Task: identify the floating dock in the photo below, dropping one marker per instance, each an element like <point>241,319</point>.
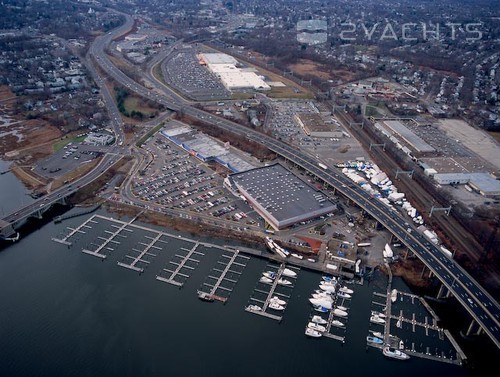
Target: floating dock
<point>141,254</point>
<point>228,262</point>
<point>182,264</point>
<point>272,292</point>
<point>407,325</point>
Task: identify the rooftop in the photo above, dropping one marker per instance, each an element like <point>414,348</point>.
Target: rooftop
<point>281,194</point>
<point>415,141</point>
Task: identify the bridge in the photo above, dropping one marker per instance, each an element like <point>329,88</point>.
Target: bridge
<point>10,223</point>
<point>483,308</point>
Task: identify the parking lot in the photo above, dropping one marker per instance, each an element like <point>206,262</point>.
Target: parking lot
<point>180,181</point>
<point>67,160</point>
<point>183,71</point>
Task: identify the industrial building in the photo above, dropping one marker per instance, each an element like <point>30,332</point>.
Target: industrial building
<point>234,78</point>
<point>314,125</point>
<point>204,147</point>
<point>279,196</point>
<point>483,183</point>
<point>413,141</point>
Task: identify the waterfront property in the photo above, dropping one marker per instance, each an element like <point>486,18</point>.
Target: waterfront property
<point>279,196</point>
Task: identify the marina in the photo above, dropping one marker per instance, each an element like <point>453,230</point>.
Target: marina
<point>268,302</point>
<point>408,328</point>
<point>230,263</point>
<point>140,258</point>
<point>182,266</point>
<point>403,320</point>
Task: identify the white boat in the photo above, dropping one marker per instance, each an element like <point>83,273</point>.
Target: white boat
<point>276,306</point>
<point>321,309</point>
<point>343,295</point>
<point>269,274</point>
<point>331,283</point>
<point>319,320</point>
<point>394,295</point>
<point>275,248</point>
<point>321,292</point>
<point>316,327</point>
<point>395,353</point>
<point>378,334</point>
<point>337,323</point>
<point>342,307</point>
<point>346,290</point>
<point>327,288</point>
<point>387,252</point>
<point>289,273</point>
<point>376,319</point>
<point>254,308</point>
<point>312,333</point>
<point>284,282</point>
<point>321,302</point>
<point>339,313</point>
<point>399,323</point>
<point>297,256</point>
<point>277,300</point>
<point>263,279</point>
<point>322,295</point>
<point>381,315</point>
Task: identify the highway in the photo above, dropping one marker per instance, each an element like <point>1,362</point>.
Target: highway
<point>479,303</point>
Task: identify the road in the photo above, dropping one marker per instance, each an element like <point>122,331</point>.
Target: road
<point>477,301</point>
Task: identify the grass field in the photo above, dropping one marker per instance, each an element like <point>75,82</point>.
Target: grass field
<point>58,145</point>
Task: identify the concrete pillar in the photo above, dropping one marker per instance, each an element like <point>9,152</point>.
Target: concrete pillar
<point>471,327</point>
<point>441,291</point>
<point>422,273</point>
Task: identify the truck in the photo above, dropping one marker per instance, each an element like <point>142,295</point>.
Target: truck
<point>322,166</point>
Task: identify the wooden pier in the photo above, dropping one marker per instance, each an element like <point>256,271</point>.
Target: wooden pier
<point>180,265</point>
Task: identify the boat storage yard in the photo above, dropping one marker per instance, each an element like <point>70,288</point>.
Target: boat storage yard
<point>399,324</point>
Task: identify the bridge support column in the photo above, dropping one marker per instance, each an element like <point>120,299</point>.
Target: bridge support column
<point>471,327</point>
<point>443,291</point>
<point>422,273</point>
<point>38,215</point>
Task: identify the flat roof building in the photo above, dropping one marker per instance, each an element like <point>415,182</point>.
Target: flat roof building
<point>279,196</point>
<point>314,125</point>
<point>408,136</point>
<point>225,67</point>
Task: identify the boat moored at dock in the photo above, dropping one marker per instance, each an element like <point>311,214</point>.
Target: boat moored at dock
<point>395,353</point>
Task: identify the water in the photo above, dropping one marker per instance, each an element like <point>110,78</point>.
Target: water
<point>67,313</point>
<point>13,194</point>
<point>64,313</point>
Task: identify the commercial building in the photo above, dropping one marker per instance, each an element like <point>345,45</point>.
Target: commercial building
<point>314,125</point>
<point>204,147</point>
<point>234,78</point>
<point>99,139</point>
<point>279,196</point>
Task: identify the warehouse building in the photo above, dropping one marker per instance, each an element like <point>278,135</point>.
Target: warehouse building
<point>234,78</point>
<point>482,183</point>
<point>314,125</point>
<point>414,141</point>
<point>279,196</point>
